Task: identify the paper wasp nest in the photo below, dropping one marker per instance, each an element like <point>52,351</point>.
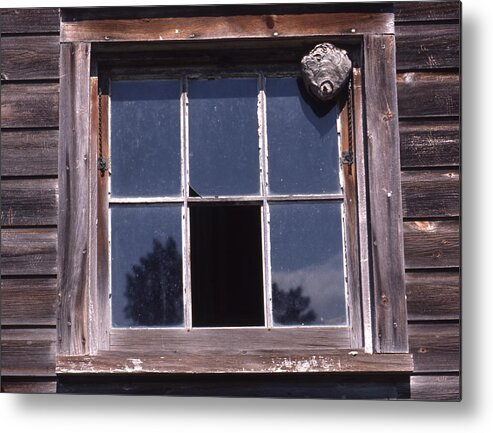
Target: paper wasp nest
<point>325,71</point>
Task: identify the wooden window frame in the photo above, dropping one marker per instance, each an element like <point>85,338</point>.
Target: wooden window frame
<point>83,316</point>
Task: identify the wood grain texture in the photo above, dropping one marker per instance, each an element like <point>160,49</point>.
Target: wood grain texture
<point>425,94</point>
<point>433,295</point>
<point>29,105</point>
<point>28,385</point>
<point>427,11</point>
<point>385,194</point>
<point>351,224</point>
<point>73,178</point>
<point>227,27</point>
<point>435,347</point>
<point>428,46</point>
<point>29,202</point>
<point>30,57</point>
<point>430,143</point>
<point>29,251</point>
<point>39,20</point>
<point>29,153</point>
<point>29,301</point>
<point>204,363</point>
<point>28,352</point>
<point>306,385</point>
<point>436,388</point>
<point>430,193</point>
<point>431,244</point>
<point>229,341</point>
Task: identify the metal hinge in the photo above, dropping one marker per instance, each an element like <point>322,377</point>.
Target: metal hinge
<point>102,165</point>
<point>347,158</point>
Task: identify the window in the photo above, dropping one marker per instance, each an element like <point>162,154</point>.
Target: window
<point>241,225</point>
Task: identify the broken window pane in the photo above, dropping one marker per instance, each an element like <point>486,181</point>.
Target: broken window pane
<point>307,264</point>
<point>226,260</point>
<point>224,157</point>
<point>302,140</point>
<point>146,266</point>
<point>145,138</point>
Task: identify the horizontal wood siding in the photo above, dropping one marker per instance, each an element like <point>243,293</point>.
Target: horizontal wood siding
<point>29,202</point>
<point>433,295</point>
<point>28,105</point>
<point>427,143</point>
<point>428,83</point>
<point>29,152</point>
<point>29,196</point>
<point>431,12</point>
<point>28,352</point>
<point>42,20</point>
<point>435,388</point>
<point>29,385</point>
<point>29,251</point>
<point>431,244</point>
<point>430,193</point>
<point>28,301</point>
<point>428,94</point>
<point>422,46</point>
<point>30,57</point>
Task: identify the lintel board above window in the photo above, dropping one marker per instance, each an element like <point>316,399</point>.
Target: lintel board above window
<point>84,314</point>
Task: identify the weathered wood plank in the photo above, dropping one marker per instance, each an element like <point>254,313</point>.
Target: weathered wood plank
<point>229,341</point>
<point>73,175</point>
<point>428,143</point>
<point>425,94</point>
<point>29,251</point>
<point>29,105</point>
<point>433,295</point>
<point>428,46</point>
<point>431,244</point>
<point>427,11</point>
<point>204,363</point>
<point>385,194</point>
<point>430,193</point>
<point>227,27</point>
<point>338,386</point>
<point>30,57</point>
<point>435,347</point>
<point>20,385</point>
<point>29,202</point>
<point>29,153</point>
<point>436,388</point>
<point>28,352</point>
<point>39,20</point>
<point>29,301</point>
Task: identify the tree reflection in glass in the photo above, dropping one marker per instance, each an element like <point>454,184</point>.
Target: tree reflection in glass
<point>154,288</point>
<point>146,266</point>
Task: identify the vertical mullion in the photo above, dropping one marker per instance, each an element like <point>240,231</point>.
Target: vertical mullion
<point>187,294</point>
<point>264,179</point>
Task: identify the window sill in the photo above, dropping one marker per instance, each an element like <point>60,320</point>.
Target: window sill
<point>211,363</point>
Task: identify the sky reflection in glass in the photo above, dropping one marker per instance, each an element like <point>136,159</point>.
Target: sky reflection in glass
<point>307,264</point>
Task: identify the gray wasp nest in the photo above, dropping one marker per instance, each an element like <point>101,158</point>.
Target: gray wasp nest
<point>325,71</point>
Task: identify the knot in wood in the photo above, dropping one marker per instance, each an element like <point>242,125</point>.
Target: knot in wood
<point>325,70</point>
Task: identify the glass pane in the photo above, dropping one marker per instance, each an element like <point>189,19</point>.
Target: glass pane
<point>307,264</point>
<point>224,158</point>
<point>146,266</point>
<point>145,138</point>
<point>302,140</point>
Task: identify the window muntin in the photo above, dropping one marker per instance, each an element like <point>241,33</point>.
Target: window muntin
<point>319,193</point>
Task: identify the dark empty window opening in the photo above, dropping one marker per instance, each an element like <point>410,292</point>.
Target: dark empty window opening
<point>226,265</point>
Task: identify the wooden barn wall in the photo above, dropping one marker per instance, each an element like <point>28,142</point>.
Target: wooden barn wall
<point>427,37</point>
<point>29,197</point>
<point>428,61</point>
